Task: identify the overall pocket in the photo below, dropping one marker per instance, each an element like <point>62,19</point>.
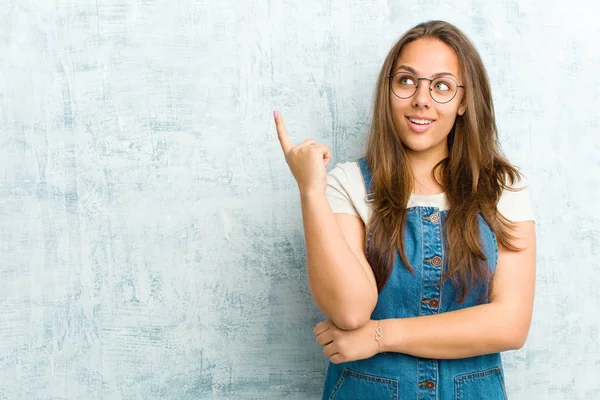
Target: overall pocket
<point>354,385</point>
<point>487,384</point>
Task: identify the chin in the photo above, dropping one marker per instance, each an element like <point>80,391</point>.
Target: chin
<point>425,148</point>
<point>418,145</point>
<point>419,149</point>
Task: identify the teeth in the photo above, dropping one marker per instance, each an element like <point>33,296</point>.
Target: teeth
<point>420,121</point>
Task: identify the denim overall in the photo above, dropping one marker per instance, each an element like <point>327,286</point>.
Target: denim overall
<point>405,295</point>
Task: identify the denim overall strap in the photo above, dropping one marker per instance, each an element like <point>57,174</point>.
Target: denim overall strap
<point>366,173</point>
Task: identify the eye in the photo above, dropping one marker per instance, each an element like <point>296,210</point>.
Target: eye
<point>442,86</point>
<point>406,80</point>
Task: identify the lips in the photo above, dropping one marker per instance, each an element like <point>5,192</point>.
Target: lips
<point>420,121</point>
<point>419,124</point>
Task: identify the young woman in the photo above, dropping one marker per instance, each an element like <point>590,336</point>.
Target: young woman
<point>422,253</point>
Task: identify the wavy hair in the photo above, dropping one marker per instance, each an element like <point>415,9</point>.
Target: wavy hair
<point>473,175</point>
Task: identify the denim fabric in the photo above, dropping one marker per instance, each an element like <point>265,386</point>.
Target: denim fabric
<point>405,295</point>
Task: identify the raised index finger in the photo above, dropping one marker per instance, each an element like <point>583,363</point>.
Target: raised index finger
<point>284,139</point>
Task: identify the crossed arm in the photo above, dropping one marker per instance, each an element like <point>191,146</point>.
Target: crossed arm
<point>500,325</point>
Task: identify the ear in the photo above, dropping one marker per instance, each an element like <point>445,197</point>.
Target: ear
<point>462,108</point>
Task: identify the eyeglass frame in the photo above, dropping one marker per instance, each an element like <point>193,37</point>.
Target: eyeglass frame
<point>430,88</point>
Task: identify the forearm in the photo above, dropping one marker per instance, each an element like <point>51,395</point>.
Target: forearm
<point>337,280</point>
<point>472,331</point>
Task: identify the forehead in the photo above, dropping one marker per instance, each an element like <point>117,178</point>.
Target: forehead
<point>428,57</point>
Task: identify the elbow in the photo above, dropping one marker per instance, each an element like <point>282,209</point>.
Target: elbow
<point>350,323</point>
<point>519,342</point>
<point>355,314</point>
<point>517,338</point>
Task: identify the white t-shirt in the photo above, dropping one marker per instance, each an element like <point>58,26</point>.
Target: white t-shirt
<point>346,194</point>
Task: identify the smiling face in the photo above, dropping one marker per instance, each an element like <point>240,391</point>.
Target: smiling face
<point>422,123</point>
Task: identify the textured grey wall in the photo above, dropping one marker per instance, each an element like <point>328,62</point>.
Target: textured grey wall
<point>151,243</point>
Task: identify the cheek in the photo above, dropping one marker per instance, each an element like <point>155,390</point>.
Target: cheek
<point>398,103</point>
<point>449,113</point>
<point>394,110</point>
<point>398,107</point>
<point>397,117</point>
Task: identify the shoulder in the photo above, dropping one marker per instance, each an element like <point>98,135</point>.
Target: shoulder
<point>515,202</point>
<point>347,172</point>
<point>346,190</point>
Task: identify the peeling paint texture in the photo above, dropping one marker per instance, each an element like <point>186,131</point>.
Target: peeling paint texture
<point>151,242</point>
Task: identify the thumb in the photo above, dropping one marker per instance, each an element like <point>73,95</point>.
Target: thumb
<point>327,155</point>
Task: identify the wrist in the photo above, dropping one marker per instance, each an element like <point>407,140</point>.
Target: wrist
<point>395,338</point>
<point>386,337</point>
<point>309,194</point>
<point>379,336</point>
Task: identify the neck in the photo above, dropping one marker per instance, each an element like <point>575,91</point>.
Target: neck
<point>422,164</point>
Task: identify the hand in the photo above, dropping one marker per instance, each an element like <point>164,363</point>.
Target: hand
<point>307,161</point>
<point>344,346</point>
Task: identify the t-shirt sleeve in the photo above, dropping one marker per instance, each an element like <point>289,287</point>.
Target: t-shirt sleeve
<point>516,205</point>
<point>338,193</point>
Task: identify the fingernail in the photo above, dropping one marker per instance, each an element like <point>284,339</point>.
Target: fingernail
<point>275,114</point>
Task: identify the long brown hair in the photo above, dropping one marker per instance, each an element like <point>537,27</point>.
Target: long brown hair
<point>473,175</point>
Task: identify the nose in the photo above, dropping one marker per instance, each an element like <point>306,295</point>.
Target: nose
<point>422,98</point>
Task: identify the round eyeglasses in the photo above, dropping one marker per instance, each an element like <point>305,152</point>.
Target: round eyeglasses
<point>442,89</point>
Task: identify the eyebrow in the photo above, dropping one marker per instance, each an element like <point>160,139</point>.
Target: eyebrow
<point>413,71</point>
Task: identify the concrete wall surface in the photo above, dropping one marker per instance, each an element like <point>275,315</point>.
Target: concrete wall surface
<point>151,241</point>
